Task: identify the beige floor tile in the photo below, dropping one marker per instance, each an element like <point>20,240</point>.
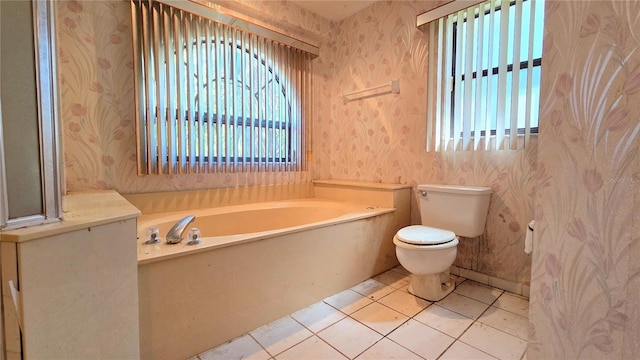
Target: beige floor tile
<point>318,316</point>
<point>404,302</point>
<point>387,349</point>
<point>462,351</point>
<point>348,301</point>
<point>280,335</point>
<point>380,318</point>
<point>513,303</point>
<point>401,270</point>
<point>463,305</point>
<point>349,337</point>
<point>479,292</point>
<point>312,348</point>
<point>421,339</point>
<point>394,279</point>
<point>494,342</point>
<point>373,289</point>
<point>500,331</point>
<point>243,347</point>
<point>506,321</point>
<point>444,320</point>
<point>405,288</point>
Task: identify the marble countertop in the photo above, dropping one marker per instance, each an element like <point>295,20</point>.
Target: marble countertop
<point>81,210</point>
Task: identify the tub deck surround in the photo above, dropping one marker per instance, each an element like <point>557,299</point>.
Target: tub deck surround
<point>200,296</point>
<point>378,194</point>
<point>162,202</point>
<point>234,225</point>
<point>83,267</point>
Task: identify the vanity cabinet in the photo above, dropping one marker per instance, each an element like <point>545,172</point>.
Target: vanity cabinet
<point>77,282</point>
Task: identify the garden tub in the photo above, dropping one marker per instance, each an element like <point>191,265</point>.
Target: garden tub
<point>256,263</point>
<point>234,225</point>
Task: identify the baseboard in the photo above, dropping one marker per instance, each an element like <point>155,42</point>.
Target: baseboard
<point>516,288</point>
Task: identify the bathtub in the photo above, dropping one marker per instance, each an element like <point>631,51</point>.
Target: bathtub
<point>234,225</point>
<point>257,263</point>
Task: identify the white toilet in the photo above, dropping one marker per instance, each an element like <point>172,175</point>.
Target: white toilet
<point>427,251</point>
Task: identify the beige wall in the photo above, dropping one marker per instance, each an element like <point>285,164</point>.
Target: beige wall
<point>585,289</point>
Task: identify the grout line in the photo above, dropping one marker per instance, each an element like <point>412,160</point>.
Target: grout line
<point>316,333</point>
<point>435,303</point>
<point>510,312</point>
<point>456,339</point>
<point>448,347</point>
<point>372,345</point>
<point>482,351</point>
<point>495,328</point>
<point>258,342</point>
<point>469,327</point>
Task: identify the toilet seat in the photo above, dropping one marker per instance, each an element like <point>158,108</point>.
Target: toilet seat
<point>421,235</point>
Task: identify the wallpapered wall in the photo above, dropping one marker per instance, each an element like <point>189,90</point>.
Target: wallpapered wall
<point>377,139</point>
<point>582,180</point>
<point>383,138</point>
<point>585,281</point>
<point>98,104</point>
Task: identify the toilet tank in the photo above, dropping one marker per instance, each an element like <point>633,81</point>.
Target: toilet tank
<point>461,209</point>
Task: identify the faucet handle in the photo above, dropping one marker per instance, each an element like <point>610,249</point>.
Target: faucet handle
<point>194,236</point>
<point>153,235</point>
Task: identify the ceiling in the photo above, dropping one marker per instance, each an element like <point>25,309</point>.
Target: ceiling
<point>334,10</point>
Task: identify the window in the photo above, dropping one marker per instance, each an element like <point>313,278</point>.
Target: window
<point>485,64</point>
<point>214,98</point>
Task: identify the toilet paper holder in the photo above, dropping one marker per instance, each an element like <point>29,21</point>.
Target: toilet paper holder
<point>528,240</point>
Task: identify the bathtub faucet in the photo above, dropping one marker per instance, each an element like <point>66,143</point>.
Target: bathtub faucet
<point>174,235</point>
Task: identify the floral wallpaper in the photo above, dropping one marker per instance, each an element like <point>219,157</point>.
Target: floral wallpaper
<point>95,65</point>
<point>380,139</point>
<point>580,176</point>
<point>585,278</point>
<point>383,138</point>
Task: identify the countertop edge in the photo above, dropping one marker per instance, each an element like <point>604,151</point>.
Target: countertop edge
<point>81,210</point>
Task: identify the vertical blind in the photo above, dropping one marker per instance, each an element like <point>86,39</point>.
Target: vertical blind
<point>484,65</point>
<point>214,98</point>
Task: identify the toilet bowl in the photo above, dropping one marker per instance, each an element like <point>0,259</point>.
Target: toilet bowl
<point>427,251</point>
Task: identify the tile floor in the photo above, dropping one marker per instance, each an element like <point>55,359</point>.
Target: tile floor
<point>379,319</point>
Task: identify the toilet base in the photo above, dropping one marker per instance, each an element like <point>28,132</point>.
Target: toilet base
<point>432,287</point>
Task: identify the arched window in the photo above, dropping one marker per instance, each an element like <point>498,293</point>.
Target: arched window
<point>214,98</point>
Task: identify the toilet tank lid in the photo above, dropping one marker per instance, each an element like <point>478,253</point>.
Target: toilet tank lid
<point>456,189</point>
<point>424,235</point>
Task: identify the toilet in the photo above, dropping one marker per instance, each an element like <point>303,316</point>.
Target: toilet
<point>427,251</point>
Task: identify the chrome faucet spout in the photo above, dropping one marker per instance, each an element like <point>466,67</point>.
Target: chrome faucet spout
<point>174,235</point>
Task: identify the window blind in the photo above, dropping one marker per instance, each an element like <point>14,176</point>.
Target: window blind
<point>484,67</point>
<point>214,98</point>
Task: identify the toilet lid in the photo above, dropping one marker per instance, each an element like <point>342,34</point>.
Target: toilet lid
<point>424,235</point>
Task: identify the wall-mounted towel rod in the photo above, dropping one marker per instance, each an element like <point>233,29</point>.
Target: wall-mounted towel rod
<point>393,87</point>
